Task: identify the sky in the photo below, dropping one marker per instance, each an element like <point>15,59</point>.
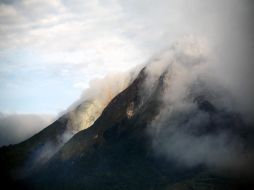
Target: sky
<point>51,49</point>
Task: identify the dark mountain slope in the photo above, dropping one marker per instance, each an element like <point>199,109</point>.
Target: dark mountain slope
<point>116,152</point>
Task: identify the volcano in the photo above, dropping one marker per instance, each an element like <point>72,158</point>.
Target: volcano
<point>119,147</point>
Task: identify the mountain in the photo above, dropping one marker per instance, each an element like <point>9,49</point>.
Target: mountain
<point>119,149</point>
<point>20,160</point>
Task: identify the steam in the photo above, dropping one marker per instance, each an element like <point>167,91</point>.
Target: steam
<point>198,123</point>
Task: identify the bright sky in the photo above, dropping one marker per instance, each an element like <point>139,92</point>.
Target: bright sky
<point>51,49</point>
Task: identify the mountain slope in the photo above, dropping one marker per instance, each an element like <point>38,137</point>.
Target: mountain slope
<point>21,159</point>
<point>116,151</point>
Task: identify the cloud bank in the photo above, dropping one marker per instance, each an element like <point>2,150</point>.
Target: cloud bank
<point>15,128</point>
